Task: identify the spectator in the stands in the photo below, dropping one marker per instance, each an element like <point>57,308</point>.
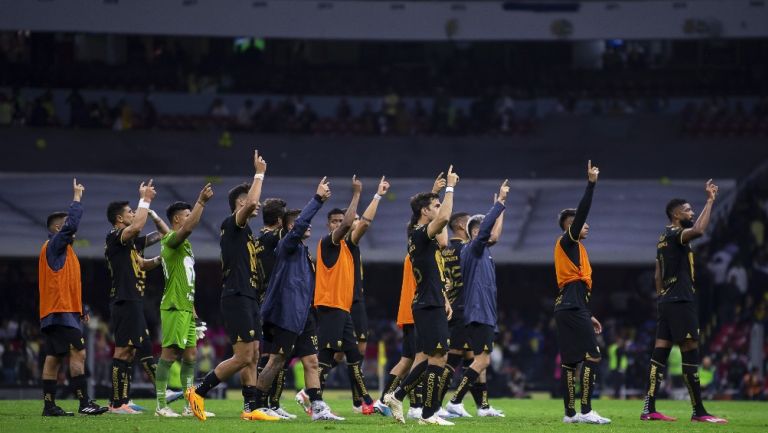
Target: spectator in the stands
<point>219,108</point>
<point>343,110</point>
<point>149,112</point>
<point>752,385</point>
<point>78,110</point>
<point>707,377</point>
<point>246,114</point>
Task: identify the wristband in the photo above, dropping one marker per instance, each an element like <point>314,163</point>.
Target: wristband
<point>448,189</point>
<point>259,176</point>
<point>143,204</point>
<point>376,196</point>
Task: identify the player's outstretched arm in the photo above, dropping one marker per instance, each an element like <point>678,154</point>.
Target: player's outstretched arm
<point>162,229</point>
<point>700,226</point>
<point>194,217</point>
<point>291,240</point>
<point>446,208</point>
<point>66,235</point>
<point>370,212</point>
<point>586,202</point>
<point>148,265</point>
<point>254,194</point>
<point>146,194</point>
<point>498,226</point>
<point>349,215</point>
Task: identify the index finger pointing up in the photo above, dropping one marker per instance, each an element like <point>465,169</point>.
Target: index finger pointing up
<point>450,169</point>
<point>589,165</point>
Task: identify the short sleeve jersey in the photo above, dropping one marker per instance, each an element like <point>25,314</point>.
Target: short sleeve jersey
<point>124,265</point>
<point>428,269</point>
<point>238,260</point>
<point>179,272</point>
<point>452,258</point>
<point>266,244</point>
<point>676,263</point>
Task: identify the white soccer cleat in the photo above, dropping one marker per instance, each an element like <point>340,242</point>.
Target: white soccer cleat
<point>571,419</point>
<point>282,413</point>
<point>456,410</point>
<point>188,412</point>
<point>302,399</point>
<point>434,420</point>
<point>395,405</point>
<point>490,412</point>
<point>592,418</point>
<point>382,408</point>
<point>322,412</point>
<point>414,413</point>
<point>171,395</point>
<point>167,412</point>
<point>357,409</point>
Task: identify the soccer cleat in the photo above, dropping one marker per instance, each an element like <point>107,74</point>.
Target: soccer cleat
<point>56,411</point>
<point>571,419</point>
<point>592,418</point>
<point>282,413</point>
<point>92,408</point>
<point>382,408</point>
<point>171,395</point>
<point>395,405</point>
<point>414,413</point>
<point>322,412</point>
<point>457,410</point>
<point>123,410</point>
<point>367,409</point>
<point>434,420</point>
<point>167,412</point>
<point>444,414</point>
<point>196,403</point>
<point>655,416</point>
<point>709,418</point>
<point>188,412</point>
<point>490,412</point>
<point>357,409</point>
<point>302,399</point>
<point>135,406</point>
<point>258,415</point>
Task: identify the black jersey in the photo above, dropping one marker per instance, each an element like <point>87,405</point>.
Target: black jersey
<point>266,245</point>
<point>428,269</point>
<point>238,260</point>
<point>452,259</point>
<point>124,265</point>
<point>676,263</point>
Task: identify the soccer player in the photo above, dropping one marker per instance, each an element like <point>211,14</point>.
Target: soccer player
<point>239,301</point>
<point>678,321</point>
<point>431,308</point>
<point>289,323</point>
<point>177,306</point>
<point>576,326</point>
<point>478,297</point>
<point>127,269</point>
<point>61,309</point>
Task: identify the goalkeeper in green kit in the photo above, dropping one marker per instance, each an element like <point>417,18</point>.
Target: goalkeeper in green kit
<point>177,308</point>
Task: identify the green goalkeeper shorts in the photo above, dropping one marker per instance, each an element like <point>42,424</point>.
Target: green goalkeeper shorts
<point>178,328</point>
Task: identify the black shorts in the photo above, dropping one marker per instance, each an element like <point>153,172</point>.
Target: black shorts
<point>289,344</point>
<point>360,320</point>
<point>60,340</point>
<point>432,330</point>
<point>242,318</point>
<point>128,324</point>
<point>677,321</point>
<point>335,330</point>
<point>480,337</point>
<point>459,333</point>
<point>576,336</point>
<point>410,346</point>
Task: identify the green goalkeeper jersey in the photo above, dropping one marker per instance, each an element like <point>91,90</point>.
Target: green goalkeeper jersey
<point>179,271</point>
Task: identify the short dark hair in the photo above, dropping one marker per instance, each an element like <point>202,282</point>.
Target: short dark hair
<point>288,215</point>
<point>178,206</point>
<point>564,215</point>
<point>273,210</point>
<point>114,209</point>
<point>236,192</point>
<point>419,202</point>
<point>454,222</point>
<point>53,217</point>
<point>674,204</point>
<point>335,211</point>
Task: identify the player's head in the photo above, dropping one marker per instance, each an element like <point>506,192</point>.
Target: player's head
<point>565,219</point>
<point>55,221</point>
<point>272,212</point>
<point>424,206</point>
<point>290,218</point>
<point>335,217</point>
<point>238,196</point>
<point>680,211</point>
<point>458,223</point>
<point>473,225</point>
<point>178,212</point>
<point>119,213</point>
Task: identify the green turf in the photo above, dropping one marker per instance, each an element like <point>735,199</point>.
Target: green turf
<point>522,416</point>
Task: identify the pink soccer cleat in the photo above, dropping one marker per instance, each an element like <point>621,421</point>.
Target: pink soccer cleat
<point>656,416</point>
<point>709,418</point>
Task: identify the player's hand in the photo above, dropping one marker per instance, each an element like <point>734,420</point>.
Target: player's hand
<point>439,183</point>
<point>448,310</point>
<point>324,189</point>
<point>85,318</point>
<point>503,191</point>
<point>383,186</point>
<point>200,328</point>
<point>147,192</point>
<point>357,186</point>
<point>592,172</point>
<point>596,324</point>
<point>259,163</point>
<point>205,194</point>
<point>711,189</point>
<point>453,178</point>
<point>78,189</point>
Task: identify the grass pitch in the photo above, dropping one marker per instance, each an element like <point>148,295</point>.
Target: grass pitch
<point>522,416</point>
